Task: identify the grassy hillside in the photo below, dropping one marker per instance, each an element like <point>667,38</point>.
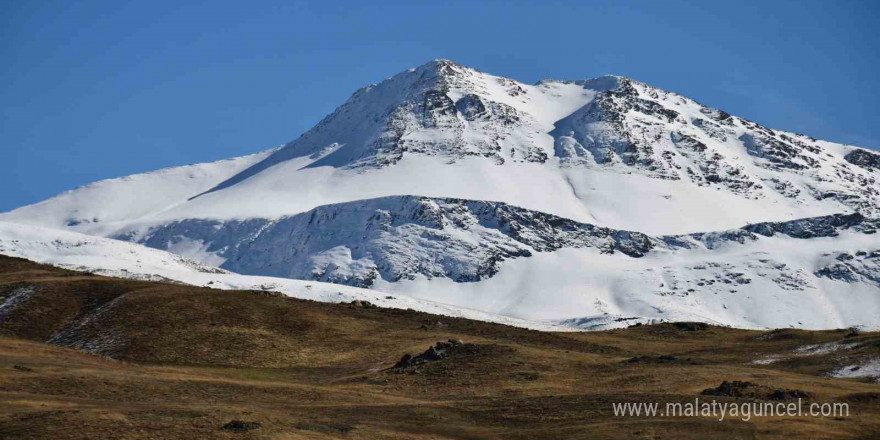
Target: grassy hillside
<point>132,359</point>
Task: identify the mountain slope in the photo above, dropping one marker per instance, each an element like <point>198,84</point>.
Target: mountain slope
<point>104,256</point>
<point>107,204</point>
<point>821,272</point>
<point>446,183</point>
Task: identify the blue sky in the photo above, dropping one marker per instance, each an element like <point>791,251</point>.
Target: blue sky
<point>94,89</point>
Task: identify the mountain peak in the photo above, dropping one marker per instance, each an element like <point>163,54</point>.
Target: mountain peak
<point>438,64</point>
<point>611,122</point>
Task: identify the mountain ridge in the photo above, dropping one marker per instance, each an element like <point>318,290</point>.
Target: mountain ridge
<point>617,133</point>
<point>532,231</point>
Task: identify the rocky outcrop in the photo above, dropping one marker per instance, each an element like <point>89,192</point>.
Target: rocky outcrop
<point>436,352</point>
<point>827,226</point>
<point>852,267</point>
<point>241,426</point>
<point>752,390</point>
<point>864,158</point>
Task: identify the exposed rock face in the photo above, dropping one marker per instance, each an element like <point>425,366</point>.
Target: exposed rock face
<point>859,266</point>
<point>827,226</point>
<point>598,129</point>
<point>864,158</point>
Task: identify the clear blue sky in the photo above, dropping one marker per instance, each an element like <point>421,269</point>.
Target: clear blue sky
<point>92,90</point>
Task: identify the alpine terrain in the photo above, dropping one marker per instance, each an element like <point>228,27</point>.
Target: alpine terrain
<point>579,204</point>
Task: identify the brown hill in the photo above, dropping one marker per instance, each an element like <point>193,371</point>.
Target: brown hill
<point>161,360</point>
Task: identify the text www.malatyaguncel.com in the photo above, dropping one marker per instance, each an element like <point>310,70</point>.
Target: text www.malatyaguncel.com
<point>731,410</point>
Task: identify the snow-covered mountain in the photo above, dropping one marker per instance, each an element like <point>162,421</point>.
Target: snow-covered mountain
<point>103,256</point>
<point>450,184</point>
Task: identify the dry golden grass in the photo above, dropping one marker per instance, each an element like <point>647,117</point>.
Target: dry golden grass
<point>180,362</point>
